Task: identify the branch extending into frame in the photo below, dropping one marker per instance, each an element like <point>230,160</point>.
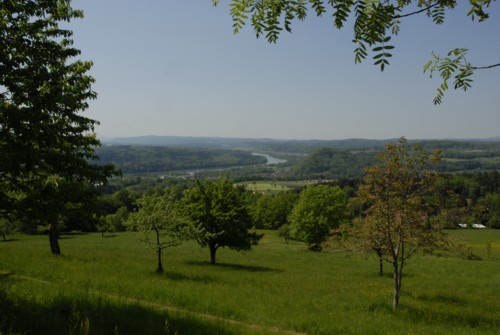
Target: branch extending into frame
<point>416,12</point>
<point>485,67</point>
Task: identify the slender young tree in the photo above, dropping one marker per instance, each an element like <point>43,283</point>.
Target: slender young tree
<point>46,145</point>
<point>397,221</point>
<point>160,223</point>
<point>7,227</point>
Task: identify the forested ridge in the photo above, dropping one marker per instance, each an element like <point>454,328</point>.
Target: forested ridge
<point>331,163</point>
<point>144,159</point>
<point>306,159</point>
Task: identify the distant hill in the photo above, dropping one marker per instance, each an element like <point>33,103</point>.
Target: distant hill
<point>457,156</point>
<point>147,159</point>
<point>306,159</point>
<point>330,163</point>
<point>266,144</point>
<point>262,144</point>
<point>180,141</point>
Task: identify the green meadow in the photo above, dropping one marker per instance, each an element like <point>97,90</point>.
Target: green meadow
<point>108,286</point>
<point>275,186</point>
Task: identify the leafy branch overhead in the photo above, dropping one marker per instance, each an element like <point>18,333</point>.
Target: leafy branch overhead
<point>375,23</point>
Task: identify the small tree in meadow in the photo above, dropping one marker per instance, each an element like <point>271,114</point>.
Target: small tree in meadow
<point>160,223</point>
<point>397,220</point>
<point>368,239</point>
<point>103,226</point>
<point>320,209</point>
<point>220,215</point>
<point>284,231</point>
<point>7,227</point>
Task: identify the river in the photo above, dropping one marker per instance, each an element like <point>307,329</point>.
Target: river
<point>270,159</point>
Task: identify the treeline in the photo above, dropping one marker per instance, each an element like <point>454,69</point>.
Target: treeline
<point>146,159</point>
<point>472,198</point>
<point>329,163</point>
<point>332,163</point>
<point>476,200</point>
<point>341,159</point>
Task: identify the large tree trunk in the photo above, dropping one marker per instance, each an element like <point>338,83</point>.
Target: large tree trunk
<point>53,239</point>
<point>213,250</point>
<point>3,235</point>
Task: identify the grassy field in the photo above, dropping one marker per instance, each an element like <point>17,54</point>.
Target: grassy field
<point>108,286</point>
<point>277,186</point>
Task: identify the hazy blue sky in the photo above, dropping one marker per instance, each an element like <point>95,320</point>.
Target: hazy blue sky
<point>174,67</point>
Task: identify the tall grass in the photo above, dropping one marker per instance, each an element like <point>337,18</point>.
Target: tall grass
<point>108,285</point>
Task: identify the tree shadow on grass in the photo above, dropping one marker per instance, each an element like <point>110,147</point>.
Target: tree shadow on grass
<point>71,235</point>
<point>443,298</point>
<point>238,267</point>
<point>8,240</point>
<point>386,275</point>
<point>176,276</point>
<point>84,315</point>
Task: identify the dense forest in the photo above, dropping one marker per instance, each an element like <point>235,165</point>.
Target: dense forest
<point>145,159</point>
<point>331,163</point>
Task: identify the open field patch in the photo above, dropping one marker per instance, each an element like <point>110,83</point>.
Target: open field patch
<point>276,186</point>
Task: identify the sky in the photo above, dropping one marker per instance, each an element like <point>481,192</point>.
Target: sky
<point>175,68</point>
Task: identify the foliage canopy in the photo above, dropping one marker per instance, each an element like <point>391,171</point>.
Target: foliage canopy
<point>46,145</point>
<point>395,192</point>
<point>320,209</point>
<point>159,215</point>
<point>220,216</point>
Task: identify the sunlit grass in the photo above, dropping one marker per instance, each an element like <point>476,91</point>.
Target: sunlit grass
<point>276,186</point>
<point>276,288</point>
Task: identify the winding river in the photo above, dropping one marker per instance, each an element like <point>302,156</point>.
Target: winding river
<point>270,159</point>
